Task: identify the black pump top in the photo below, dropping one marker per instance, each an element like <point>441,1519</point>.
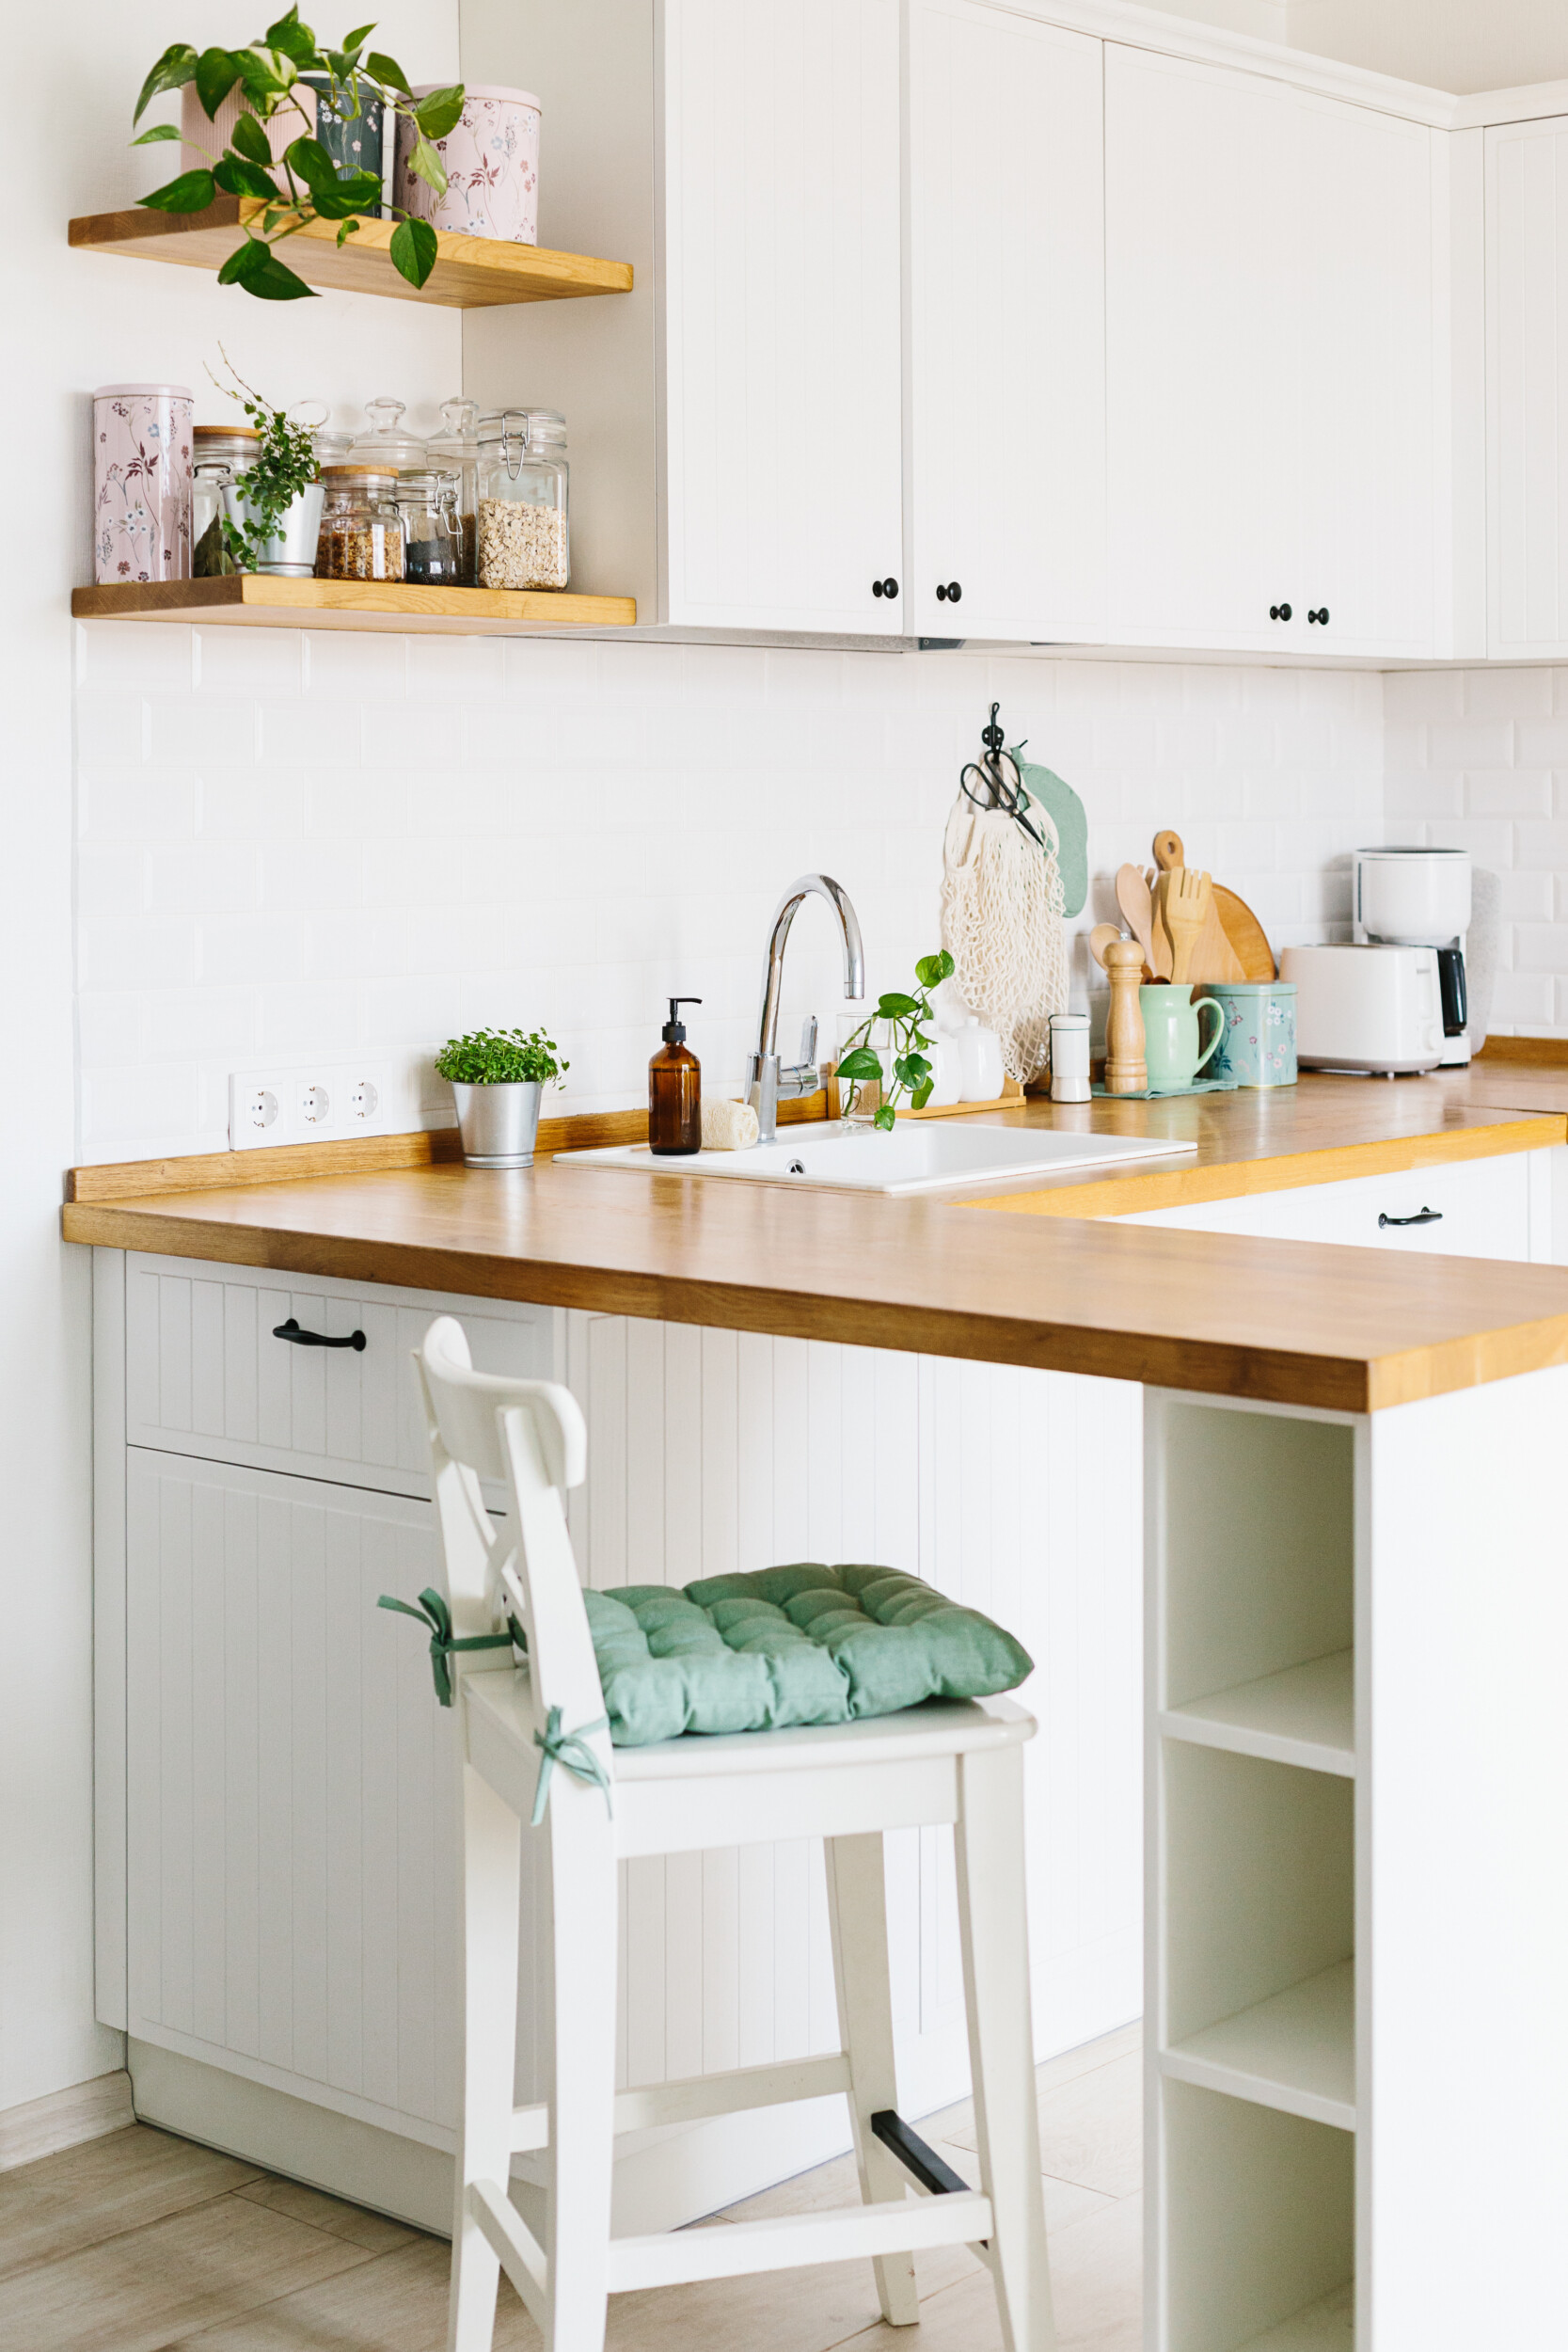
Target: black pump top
<point>674,1028</point>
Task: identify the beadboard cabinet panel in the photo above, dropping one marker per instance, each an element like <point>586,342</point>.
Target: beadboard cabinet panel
<point>1527,393</point>
<point>1006,368</point>
<point>781,327</point>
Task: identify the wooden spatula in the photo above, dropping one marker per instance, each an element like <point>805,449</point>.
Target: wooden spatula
<point>1213,959</point>
<point>1189,901</point>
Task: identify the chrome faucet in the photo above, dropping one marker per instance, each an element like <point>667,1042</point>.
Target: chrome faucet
<point>767,1080</point>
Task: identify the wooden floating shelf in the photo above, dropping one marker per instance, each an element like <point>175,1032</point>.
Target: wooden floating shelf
<point>470,273</point>
<point>257,600</point>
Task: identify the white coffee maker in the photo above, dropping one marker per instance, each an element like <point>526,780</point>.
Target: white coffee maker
<point>1421,898</point>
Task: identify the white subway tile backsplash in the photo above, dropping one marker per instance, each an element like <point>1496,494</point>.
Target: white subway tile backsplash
<point>1540,848</point>
<point>231,661</point>
<point>1541,743</point>
<point>219,731</point>
<point>136,951</point>
<point>1508,792</point>
<point>204,878</point>
<point>1474,744</point>
<point>322,729</point>
<point>1504,694</point>
<point>111,729</point>
<point>135,804</point>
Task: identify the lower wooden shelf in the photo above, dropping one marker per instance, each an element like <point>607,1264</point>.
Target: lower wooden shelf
<point>252,599</point>
<point>1295,2051</point>
<point>1306,1716</point>
<point>1327,2326</point>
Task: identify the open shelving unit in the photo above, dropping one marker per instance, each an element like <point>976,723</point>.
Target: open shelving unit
<point>470,273</point>
<point>1252,1877</point>
<point>257,600</point>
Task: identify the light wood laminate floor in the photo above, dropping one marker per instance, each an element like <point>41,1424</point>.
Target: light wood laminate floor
<point>139,2242</point>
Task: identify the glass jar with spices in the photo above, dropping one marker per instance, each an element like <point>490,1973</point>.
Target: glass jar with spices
<point>361,529</point>
<point>432,529</point>
<point>218,452</point>
<point>523,500</point>
<point>456,450</point>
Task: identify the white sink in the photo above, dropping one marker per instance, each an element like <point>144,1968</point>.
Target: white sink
<point>918,1155</point>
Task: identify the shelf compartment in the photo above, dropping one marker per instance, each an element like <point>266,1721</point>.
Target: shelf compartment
<point>1295,2051</point>
<point>252,599</point>
<point>1327,2326</point>
<point>470,273</point>
<point>1304,1715</point>
<point>1260,2213</point>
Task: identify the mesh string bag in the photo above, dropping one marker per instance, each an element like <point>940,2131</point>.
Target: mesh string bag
<point>1002,923</point>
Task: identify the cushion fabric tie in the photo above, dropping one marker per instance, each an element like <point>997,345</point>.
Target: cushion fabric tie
<point>571,1749</point>
<point>433,1612</point>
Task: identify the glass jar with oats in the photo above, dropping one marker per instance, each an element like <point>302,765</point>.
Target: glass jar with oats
<point>524,500</point>
<point>362,530</point>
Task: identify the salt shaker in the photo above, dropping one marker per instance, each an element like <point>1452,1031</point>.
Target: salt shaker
<point>1069,1057</point>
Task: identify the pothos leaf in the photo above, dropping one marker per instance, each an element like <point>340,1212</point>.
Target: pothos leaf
<point>235,175</point>
<point>257,268</point>
<point>426,165</point>
<point>248,139</point>
<point>315,167</point>
<point>297,41</point>
<point>414,250</point>
<point>897,1008</point>
<point>862,1065</point>
<point>191,193</point>
<point>932,970</point>
<point>159,131</point>
<point>217,72</point>
<point>886,1118</point>
<point>440,113</point>
<point>347,228</point>
<point>173,69</point>
<point>389,71</point>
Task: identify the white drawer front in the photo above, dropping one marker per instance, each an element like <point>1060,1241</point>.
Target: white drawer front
<point>205,1373</point>
<point>1493,1208</point>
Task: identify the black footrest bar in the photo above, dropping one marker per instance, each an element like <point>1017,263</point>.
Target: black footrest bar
<point>915,2156</point>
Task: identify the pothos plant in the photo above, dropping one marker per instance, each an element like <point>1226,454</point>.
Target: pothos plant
<point>909,1018</point>
<point>305,185</point>
<point>499,1058</point>
<point>284,468</point>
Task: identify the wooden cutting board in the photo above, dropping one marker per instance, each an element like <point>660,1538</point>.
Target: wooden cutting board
<point>1247,936</point>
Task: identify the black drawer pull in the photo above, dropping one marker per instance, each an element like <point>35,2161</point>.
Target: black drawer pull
<point>297,1338</point>
<point>1422,1216</point>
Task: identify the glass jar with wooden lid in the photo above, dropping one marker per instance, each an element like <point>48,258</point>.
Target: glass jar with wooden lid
<point>218,452</point>
<point>361,529</point>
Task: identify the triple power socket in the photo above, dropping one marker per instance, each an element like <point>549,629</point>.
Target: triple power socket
<point>320,1103</point>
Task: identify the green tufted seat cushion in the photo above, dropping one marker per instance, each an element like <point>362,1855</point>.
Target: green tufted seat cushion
<point>789,1646</point>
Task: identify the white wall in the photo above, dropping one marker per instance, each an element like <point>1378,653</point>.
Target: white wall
<point>1478,760</point>
<point>79,319</point>
<point>323,842</point>
<point>1447,44</point>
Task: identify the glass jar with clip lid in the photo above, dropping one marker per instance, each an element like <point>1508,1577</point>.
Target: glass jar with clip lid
<point>433,553</point>
<point>523,500</point>
<point>456,450</point>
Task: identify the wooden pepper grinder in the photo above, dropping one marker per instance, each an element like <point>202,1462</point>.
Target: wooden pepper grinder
<point>1126,1071</point>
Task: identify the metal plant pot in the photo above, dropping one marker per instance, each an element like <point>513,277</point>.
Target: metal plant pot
<point>290,550</point>
<point>499,1124</point>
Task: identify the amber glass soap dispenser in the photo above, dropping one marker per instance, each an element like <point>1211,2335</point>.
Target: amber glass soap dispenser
<point>675,1090</point>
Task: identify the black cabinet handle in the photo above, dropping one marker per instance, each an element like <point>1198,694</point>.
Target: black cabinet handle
<point>1280,612</point>
<point>950,594</point>
<point>884,587</point>
<point>1422,1216</point>
<point>1318,616</point>
<point>297,1338</point>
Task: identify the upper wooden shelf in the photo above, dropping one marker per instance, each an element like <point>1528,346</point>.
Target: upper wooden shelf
<point>262,601</point>
<point>470,273</point>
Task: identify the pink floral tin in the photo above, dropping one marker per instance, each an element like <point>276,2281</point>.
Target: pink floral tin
<point>141,480</point>
<point>491,156</point>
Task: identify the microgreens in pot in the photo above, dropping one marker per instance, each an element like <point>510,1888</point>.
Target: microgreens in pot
<point>499,1058</point>
<point>909,1018</point>
<point>306,185</point>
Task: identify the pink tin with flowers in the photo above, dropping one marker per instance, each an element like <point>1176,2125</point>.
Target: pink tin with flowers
<point>141,482</point>
<point>491,157</point>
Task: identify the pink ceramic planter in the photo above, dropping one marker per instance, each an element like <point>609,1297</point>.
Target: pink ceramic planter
<point>141,509</point>
<point>492,162</point>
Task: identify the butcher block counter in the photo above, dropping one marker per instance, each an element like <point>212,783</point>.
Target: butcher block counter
<point>1271,1320</point>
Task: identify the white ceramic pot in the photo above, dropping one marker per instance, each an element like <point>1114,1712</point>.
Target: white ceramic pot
<point>980,1062</point>
<point>947,1071</point>
<point>491,155</point>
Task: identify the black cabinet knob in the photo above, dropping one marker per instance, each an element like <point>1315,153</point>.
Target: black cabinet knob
<point>1279,612</point>
<point>1322,615</point>
<point>884,587</point>
<point>950,594</point>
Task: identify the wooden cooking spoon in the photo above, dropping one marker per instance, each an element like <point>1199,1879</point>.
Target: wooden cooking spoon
<point>1138,910</point>
<point>1099,938</point>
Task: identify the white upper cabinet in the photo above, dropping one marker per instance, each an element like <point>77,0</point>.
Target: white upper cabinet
<point>782,244</point>
<point>1270,365</point>
<point>1527,389</point>
<point>1005,381</point>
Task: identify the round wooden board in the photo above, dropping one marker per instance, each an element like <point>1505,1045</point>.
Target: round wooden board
<point>1245,934</point>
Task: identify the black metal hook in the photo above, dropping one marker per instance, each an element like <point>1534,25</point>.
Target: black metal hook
<point>1000,794</point>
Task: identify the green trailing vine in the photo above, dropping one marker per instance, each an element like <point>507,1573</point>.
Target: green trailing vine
<point>306,185</point>
<point>499,1058</point>
<point>284,466</point>
<point>909,1018</point>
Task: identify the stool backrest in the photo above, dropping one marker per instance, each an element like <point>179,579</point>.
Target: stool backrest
<point>531,1435</point>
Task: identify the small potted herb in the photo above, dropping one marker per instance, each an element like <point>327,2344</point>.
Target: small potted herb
<point>273,510</point>
<point>497,1076</point>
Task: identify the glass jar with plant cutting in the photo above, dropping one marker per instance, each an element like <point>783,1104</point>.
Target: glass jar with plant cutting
<point>272,506</point>
<point>878,1076</point>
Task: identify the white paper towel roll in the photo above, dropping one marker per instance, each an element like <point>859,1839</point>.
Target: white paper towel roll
<point>728,1126</point>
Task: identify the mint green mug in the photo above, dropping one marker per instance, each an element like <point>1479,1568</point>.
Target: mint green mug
<point>1171,1032</point>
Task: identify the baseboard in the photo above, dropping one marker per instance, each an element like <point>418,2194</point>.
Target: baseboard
<point>65,2118</point>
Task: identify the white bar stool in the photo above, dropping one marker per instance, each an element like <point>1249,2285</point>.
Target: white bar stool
<point>959,1762</point>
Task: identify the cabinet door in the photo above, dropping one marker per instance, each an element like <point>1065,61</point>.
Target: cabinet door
<point>1006,368</point>
<point>783,313</point>
<point>1365,360</point>
<point>1527,389</point>
<point>290,1792</point>
<point>1202,396</point>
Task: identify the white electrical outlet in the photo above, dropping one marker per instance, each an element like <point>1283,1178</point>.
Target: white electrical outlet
<point>326,1102</point>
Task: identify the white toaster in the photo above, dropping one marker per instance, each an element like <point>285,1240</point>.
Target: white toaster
<point>1366,1008</point>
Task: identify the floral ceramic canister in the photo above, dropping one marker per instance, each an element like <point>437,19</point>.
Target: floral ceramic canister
<point>1257,1044</point>
<point>141,509</point>
<point>491,156</point>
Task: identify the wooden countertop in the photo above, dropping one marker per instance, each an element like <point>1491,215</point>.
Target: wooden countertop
<point>1295,1323</point>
